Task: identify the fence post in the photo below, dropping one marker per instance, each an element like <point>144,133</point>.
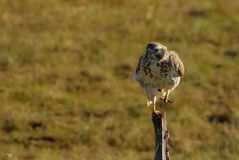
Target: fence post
<point>161,136</point>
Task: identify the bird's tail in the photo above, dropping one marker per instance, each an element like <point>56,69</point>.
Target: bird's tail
<point>135,77</point>
<point>149,102</point>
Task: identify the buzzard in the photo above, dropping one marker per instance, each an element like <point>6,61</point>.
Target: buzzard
<point>158,70</point>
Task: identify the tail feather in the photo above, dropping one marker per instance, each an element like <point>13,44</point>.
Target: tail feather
<point>135,77</point>
<point>149,102</point>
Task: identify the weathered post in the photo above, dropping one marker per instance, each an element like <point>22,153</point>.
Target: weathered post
<point>161,136</point>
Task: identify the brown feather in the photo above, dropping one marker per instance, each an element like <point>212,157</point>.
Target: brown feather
<point>139,64</point>
<point>178,63</point>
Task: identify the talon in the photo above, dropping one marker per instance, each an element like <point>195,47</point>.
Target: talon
<point>166,100</point>
<point>157,112</point>
<point>170,101</point>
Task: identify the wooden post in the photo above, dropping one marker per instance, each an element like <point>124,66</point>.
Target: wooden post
<point>161,137</point>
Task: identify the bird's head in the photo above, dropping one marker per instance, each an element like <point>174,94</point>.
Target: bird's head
<point>156,50</point>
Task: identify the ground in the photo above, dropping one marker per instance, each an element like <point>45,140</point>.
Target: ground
<point>67,92</point>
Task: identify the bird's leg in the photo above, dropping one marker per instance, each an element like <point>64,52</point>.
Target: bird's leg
<point>155,110</point>
<point>166,100</point>
<point>165,97</point>
<point>164,94</point>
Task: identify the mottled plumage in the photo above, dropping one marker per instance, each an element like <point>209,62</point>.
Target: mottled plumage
<point>158,70</point>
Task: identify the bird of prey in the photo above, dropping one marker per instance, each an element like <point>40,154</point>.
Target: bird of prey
<point>158,70</point>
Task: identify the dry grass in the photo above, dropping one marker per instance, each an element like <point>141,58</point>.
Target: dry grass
<point>66,90</point>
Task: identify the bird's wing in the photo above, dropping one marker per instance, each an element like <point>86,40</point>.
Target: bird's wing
<point>178,63</point>
<point>138,68</point>
<point>139,65</point>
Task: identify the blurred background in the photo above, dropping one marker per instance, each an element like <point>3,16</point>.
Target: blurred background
<point>66,87</point>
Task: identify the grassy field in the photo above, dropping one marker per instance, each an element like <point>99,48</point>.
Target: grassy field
<point>66,91</point>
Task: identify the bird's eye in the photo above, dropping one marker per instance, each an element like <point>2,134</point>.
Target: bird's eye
<point>156,49</point>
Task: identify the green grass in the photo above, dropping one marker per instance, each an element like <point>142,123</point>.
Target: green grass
<point>66,71</point>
